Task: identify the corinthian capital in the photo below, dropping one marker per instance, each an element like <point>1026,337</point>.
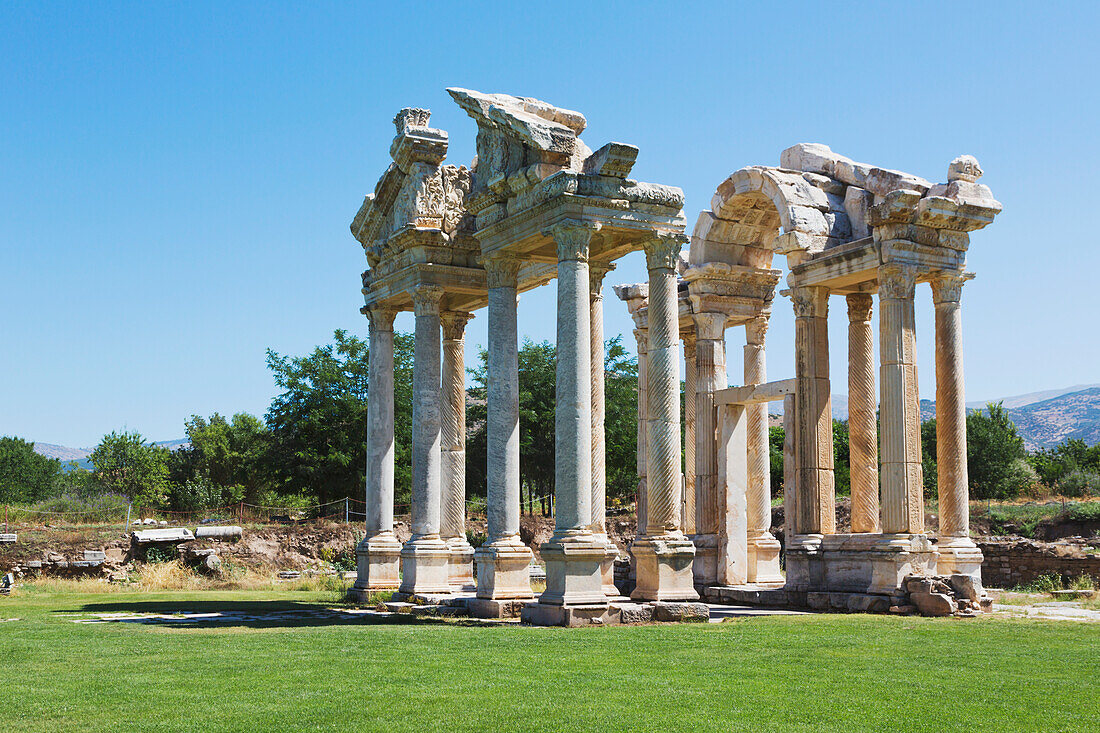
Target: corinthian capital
<point>454,324</point>
<point>897,282</point>
<point>426,300</point>
<point>572,237</point>
<point>810,302</point>
<point>662,251</point>
<point>501,270</point>
<point>859,307</point>
<point>756,330</point>
<point>947,286</point>
<point>710,326</point>
<point>597,271</point>
<point>381,319</point>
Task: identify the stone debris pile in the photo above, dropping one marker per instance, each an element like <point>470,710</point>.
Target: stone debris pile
<point>941,595</point>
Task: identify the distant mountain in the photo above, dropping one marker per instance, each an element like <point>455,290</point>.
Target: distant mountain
<point>65,454</point>
<point>1043,419</point>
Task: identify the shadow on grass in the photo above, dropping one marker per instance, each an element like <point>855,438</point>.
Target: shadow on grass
<point>247,614</point>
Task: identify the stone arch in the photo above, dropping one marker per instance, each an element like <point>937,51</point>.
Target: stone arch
<point>759,211</point>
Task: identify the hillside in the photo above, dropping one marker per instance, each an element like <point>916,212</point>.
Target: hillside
<point>1048,422</point>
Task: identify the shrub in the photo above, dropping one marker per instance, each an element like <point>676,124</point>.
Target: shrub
<point>157,555</point>
<point>1084,512</point>
<point>1080,483</point>
<point>476,539</point>
<point>1045,583</point>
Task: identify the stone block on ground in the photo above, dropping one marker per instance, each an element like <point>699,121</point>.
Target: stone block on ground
<point>934,604</point>
<point>219,533</point>
<point>546,614</point>
<point>964,586</point>
<point>174,534</point>
<point>95,555</point>
<point>492,608</point>
<point>634,613</point>
<point>675,611</point>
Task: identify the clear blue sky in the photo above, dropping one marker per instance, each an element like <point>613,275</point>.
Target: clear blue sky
<point>176,182</point>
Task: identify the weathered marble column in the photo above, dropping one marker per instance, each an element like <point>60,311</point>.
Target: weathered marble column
<point>862,417</point>
<point>902,485</point>
<point>503,561</point>
<point>378,554</point>
<point>958,553</point>
<point>813,414</point>
<point>664,555</point>
<point>642,337</point>
<point>425,557</point>
<point>763,547</point>
<point>452,525</point>
<point>596,275</point>
<point>687,508</point>
<point>790,467</point>
<point>573,554</point>
<point>710,376</point>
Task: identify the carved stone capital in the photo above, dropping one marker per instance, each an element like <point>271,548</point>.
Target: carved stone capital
<point>688,337</point>
<point>572,237</point>
<point>756,330</point>
<point>426,300</point>
<point>897,282</point>
<point>501,271</point>
<point>710,326</point>
<point>454,324</point>
<point>641,335</point>
<point>381,319</point>
<point>947,286</point>
<point>597,271</point>
<point>859,307</point>
<point>662,251</point>
<point>810,302</point>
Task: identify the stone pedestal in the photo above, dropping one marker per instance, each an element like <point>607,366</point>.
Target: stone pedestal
<point>377,561</point>
<point>664,569</point>
<point>503,570</point>
<point>574,570</point>
<point>857,563</point>
<point>763,559</point>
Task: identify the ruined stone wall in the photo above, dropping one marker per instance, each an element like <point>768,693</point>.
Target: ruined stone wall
<point>1019,562</point>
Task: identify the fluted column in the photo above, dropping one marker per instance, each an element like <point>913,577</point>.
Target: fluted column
<point>710,376</point>
<point>901,480</point>
<point>642,337</point>
<point>763,548</point>
<point>503,561</point>
<point>425,557</point>
<point>958,553</point>
<point>687,509</point>
<point>597,272</point>
<point>378,555</point>
<point>452,526</point>
<point>573,555</point>
<point>814,429</point>
<point>862,418</point>
<point>664,555</point>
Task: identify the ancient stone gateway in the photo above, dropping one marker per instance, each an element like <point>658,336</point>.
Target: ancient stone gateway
<point>445,241</point>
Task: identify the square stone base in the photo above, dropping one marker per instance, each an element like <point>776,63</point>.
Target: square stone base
<point>462,563</point>
<point>425,567</point>
<point>857,563</point>
<point>490,608</point>
<point>664,569</point>
<point>960,556</point>
<point>378,566</point>
<point>574,570</point>
<point>705,563</point>
<point>607,567</point>
<point>548,614</point>
<point>763,565</point>
<point>503,570</point>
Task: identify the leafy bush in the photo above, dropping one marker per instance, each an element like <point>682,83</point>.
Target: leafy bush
<point>1080,483</point>
<point>1084,512</point>
<point>77,509</point>
<point>1045,583</point>
<point>156,554</point>
<point>476,539</point>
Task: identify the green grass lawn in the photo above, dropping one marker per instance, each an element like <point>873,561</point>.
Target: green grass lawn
<point>804,673</point>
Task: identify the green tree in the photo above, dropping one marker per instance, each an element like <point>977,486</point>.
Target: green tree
<point>25,475</point>
<point>928,457</point>
<point>842,463</point>
<point>126,464</point>
<point>230,456</point>
<point>318,422</point>
<point>995,455</point>
<point>621,422</point>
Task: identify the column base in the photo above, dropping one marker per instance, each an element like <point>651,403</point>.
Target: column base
<point>705,564</point>
<point>574,564</point>
<point>378,565</point>
<point>462,563</point>
<point>857,563</point>
<point>503,570</point>
<point>664,568</point>
<point>607,566</point>
<point>425,566</point>
<point>763,565</point>
<point>545,614</point>
<point>960,556</point>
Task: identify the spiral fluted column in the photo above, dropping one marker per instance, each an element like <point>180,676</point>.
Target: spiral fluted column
<point>862,417</point>
<point>425,557</point>
<point>597,272</point>
<point>763,548</point>
<point>663,555</point>
<point>641,335</point>
<point>452,524</point>
<point>691,373</point>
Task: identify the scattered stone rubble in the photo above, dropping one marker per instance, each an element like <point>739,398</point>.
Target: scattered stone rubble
<point>940,595</point>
